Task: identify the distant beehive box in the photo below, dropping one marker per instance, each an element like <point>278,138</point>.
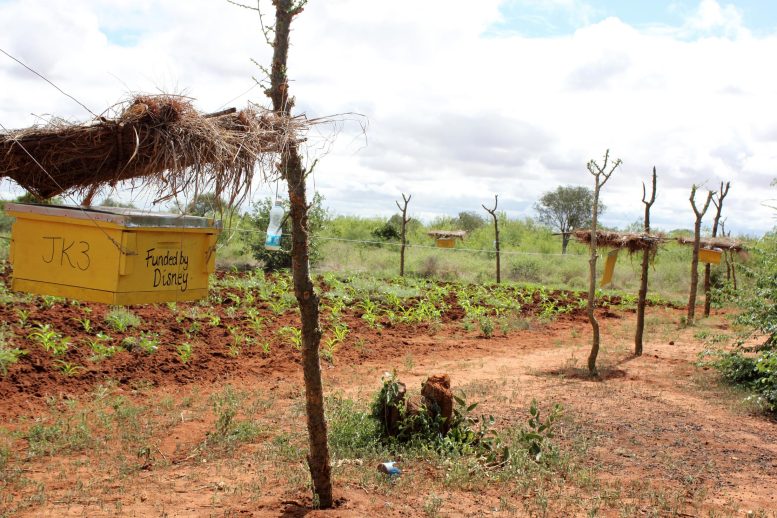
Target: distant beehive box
<point>109,255</point>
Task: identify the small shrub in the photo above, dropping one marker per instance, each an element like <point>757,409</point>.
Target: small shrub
<point>121,319</point>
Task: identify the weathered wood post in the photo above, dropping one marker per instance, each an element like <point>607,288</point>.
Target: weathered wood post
<point>643,280</point>
<point>601,176</point>
<point>718,202</point>
<point>292,170</point>
<point>405,219</point>
<point>496,236</point>
<point>695,258</point>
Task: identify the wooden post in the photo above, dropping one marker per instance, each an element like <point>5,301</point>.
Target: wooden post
<point>292,170</point>
<point>695,259</point>
<point>496,236</point>
<point>405,219</point>
<point>601,176</point>
<point>718,202</point>
<point>643,281</point>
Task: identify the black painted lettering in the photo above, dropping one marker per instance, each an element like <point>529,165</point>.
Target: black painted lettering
<point>85,253</point>
<point>51,258</point>
<point>64,254</point>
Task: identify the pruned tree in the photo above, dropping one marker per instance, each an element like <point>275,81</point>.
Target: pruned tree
<point>718,202</point>
<point>295,173</point>
<point>728,256</point>
<point>496,235</point>
<point>601,175</point>
<point>691,316</point>
<point>643,280</point>
<point>403,232</point>
<point>565,209</point>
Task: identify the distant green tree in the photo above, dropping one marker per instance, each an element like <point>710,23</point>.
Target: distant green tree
<point>110,202</point>
<point>470,221</point>
<point>259,218</point>
<point>387,232</point>
<point>565,209</point>
<point>205,205</point>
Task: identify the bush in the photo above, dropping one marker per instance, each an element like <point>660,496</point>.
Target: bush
<point>276,260</point>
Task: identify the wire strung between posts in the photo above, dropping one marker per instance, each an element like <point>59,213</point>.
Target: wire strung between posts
<point>429,247</point>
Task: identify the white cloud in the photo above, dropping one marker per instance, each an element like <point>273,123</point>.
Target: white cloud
<point>454,116</point>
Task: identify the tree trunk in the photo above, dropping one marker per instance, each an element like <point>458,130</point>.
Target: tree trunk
<point>707,267</point>
<point>292,170</point>
<point>600,176</point>
<point>564,242</point>
<point>496,243</point>
<point>496,236</point>
<point>691,316</point>
<point>404,229</point>
<point>643,281</point>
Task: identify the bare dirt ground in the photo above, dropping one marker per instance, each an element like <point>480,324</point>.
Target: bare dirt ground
<point>655,436</point>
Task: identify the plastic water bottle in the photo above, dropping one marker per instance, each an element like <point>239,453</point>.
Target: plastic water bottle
<point>273,239</point>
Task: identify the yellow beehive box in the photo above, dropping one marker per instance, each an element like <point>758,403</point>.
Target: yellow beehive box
<point>115,256</point>
<point>709,255</point>
<point>446,242</point>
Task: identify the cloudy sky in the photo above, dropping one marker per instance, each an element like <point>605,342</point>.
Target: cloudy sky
<point>462,100</point>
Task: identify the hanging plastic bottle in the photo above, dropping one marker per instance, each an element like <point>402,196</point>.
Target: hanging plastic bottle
<point>274,231</point>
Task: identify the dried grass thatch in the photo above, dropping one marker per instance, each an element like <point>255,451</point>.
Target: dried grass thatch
<point>722,243</point>
<point>161,140</point>
<point>631,241</point>
<point>447,234</point>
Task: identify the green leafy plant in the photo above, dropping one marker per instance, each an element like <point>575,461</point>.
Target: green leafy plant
<point>86,324</point>
<point>121,319</point>
<point>50,340</point>
<point>100,347</point>
<point>293,335</point>
<point>184,352</point>
<point>8,355</point>
<point>23,317</point>
<point>536,437</point>
<point>68,368</point>
<point>148,342</point>
<point>486,327</point>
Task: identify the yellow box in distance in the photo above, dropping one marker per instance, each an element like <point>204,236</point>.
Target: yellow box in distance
<point>707,255</point>
<point>115,256</point>
<point>445,242</point>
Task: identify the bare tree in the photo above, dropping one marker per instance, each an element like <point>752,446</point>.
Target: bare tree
<point>601,175</point>
<point>295,174</point>
<point>405,219</point>
<point>643,281</point>
<point>496,236</point>
<point>718,202</point>
<point>695,259</point>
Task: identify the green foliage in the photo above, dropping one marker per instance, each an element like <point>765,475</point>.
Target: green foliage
<point>388,232</point>
<point>121,319</point>
<point>567,208</point>
<point>537,437</point>
<point>111,202</point>
<point>229,431</point>
<point>50,339</point>
<point>184,351</point>
<point>276,260</point>
<point>755,372</point>
<point>466,434</point>
<point>759,304</point>
<point>8,355</point>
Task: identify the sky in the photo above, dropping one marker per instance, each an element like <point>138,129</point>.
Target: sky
<point>450,101</point>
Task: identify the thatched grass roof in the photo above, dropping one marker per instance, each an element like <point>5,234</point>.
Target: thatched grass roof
<point>443,234</point>
<point>161,139</point>
<point>631,241</point>
<point>723,243</point>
